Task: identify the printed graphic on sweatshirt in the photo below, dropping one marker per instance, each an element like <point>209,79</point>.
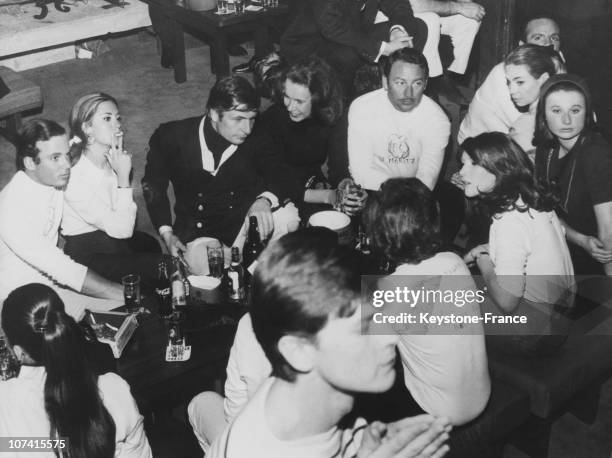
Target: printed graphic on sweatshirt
<point>398,151</point>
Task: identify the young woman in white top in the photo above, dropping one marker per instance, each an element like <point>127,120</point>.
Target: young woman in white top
<point>100,212</point>
<point>56,394</point>
<point>526,265</point>
<point>526,68</point>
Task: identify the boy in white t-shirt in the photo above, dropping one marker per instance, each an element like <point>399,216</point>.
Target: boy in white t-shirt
<point>306,317</point>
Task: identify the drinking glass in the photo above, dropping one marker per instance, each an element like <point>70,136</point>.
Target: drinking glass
<point>131,292</point>
<point>222,6</point>
<point>239,6</point>
<point>216,260</point>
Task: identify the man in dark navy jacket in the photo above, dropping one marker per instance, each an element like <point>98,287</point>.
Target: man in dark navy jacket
<point>220,174</point>
<point>344,32</point>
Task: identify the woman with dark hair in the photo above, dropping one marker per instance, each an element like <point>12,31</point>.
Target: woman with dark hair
<point>56,394</point>
<point>304,126</point>
<point>100,212</point>
<point>573,155</point>
<point>526,68</point>
<point>526,264</point>
<point>445,367</point>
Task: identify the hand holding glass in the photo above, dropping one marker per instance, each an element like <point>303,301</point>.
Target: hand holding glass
<point>354,199</point>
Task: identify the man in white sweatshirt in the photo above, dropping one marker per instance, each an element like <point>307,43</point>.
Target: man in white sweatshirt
<point>397,131</point>
<point>31,206</point>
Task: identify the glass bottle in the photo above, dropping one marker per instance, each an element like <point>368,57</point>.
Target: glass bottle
<point>163,289</point>
<point>178,289</point>
<point>253,245</point>
<point>235,274</point>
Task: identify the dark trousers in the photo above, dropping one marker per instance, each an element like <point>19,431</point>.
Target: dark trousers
<point>345,60</point>
<point>114,258</point>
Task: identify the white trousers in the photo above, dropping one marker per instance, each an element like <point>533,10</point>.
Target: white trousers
<point>205,412</point>
<point>462,32</point>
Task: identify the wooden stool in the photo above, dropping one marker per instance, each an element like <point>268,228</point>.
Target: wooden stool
<point>24,96</point>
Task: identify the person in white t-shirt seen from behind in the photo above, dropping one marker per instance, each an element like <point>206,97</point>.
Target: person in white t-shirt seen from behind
<point>445,366</point>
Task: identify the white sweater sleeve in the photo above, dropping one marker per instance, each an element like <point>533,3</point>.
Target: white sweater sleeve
<point>433,148</point>
<point>360,146</point>
<point>510,247</point>
<point>109,209</point>
<point>22,235</point>
<point>131,440</point>
<point>247,368</point>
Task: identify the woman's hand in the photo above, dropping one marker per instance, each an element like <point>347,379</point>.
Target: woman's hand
<point>596,249</point>
<point>120,160</point>
<point>472,255</point>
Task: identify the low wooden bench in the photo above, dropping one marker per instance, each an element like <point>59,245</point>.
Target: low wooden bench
<point>484,437</point>
<point>567,381</point>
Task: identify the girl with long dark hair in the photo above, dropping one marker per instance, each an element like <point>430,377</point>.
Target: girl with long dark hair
<point>56,394</point>
<point>526,264</point>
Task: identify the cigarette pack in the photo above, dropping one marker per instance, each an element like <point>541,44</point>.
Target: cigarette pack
<point>113,328</point>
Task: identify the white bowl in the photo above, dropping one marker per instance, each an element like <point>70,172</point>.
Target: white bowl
<point>204,281</point>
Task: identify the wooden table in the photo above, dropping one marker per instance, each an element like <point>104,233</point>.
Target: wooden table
<point>217,29</point>
<point>157,384</point>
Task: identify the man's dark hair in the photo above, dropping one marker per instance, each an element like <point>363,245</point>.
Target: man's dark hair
<point>548,16</point>
<point>301,281</point>
<point>35,130</point>
<point>408,55</point>
<point>233,93</point>
<point>402,221</point>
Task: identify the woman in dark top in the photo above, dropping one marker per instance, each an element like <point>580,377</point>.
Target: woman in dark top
<point>304,126</point>
<point>573,155</point>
